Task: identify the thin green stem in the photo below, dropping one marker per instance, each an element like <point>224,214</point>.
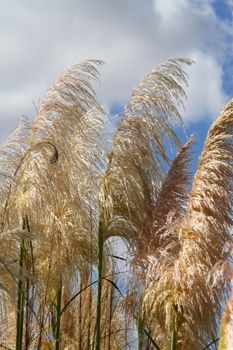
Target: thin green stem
<point>110,317</point>
<point>29,287</point>
<point>174,333</point>
<point>20,302</point>
<point>58,315</point>
<point>140,329</point>
<point>80,318</point>
<point>99,286</point>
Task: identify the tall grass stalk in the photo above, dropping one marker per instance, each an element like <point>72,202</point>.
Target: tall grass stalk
<point>20,301</point>
<point>89,321</point>
<point>27,313</point>
<point>174,333</point>
<point>58,315</point>
<point>29,287</point>
<point>80,318</point>
<point>140,328</point>
<point>110,318</point>
<point>99,286</point>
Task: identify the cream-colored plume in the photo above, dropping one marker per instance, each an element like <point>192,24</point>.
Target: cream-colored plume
<point>178,287</point>
<point>58,179</point>
<point>170,205</point>
<point>55,187</point>
<point>135,165</point>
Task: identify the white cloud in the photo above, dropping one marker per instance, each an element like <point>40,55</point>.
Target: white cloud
<point>205,95</point>
<point>41,38</point>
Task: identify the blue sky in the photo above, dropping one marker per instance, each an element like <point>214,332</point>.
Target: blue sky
<point>222,9</point>
<point>40,39</point>
<point>224,12</point>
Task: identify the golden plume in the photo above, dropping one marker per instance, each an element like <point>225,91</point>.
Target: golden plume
<point>170,205</point>
<point>135,164</point>
<point>179,294</point>
<point>56,192</point>
<point>58,184</point>
<point>11,154</point>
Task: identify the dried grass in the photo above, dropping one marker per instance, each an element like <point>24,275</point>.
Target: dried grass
<point>58,175</point>
<point>178,277</point>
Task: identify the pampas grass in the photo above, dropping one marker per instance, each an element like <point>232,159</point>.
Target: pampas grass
<point>74,191</point>
<point>179,287</point>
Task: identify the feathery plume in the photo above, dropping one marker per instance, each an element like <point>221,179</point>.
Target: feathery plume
<point>178,288</point>
<point>171,203</point>
<point>59,177</point>
<point>135,165</point>
<point>56,189</point>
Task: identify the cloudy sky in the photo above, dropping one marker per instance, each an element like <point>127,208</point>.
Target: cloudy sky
<point>39,39</point>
